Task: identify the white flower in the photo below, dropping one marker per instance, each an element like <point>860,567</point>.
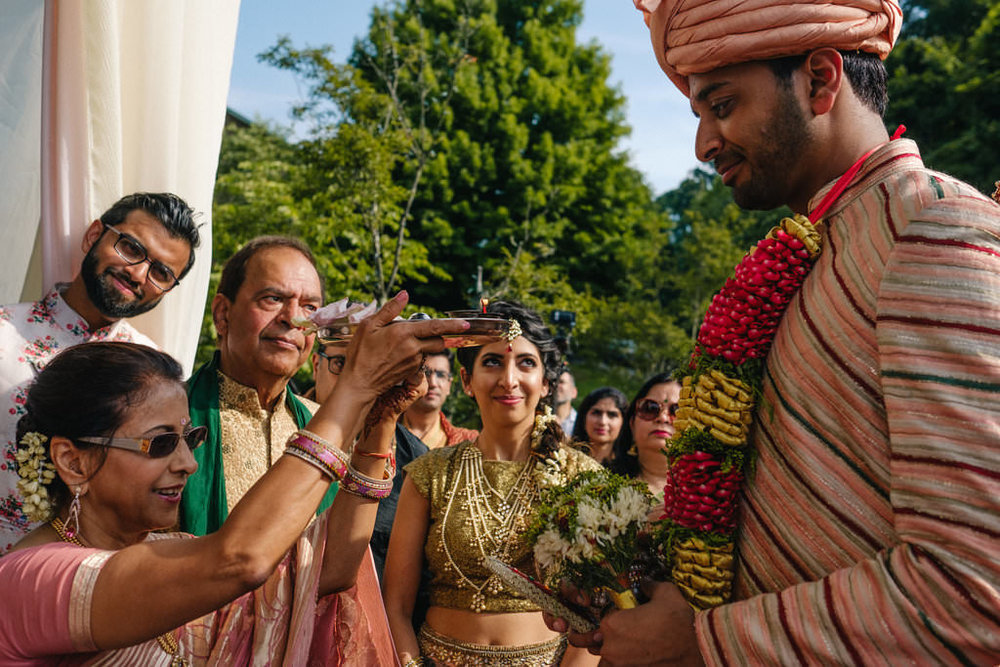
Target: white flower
<point>636,504</point>
<point>589,515</point>
<point>550,549</point>
<point>541,421</point>
<point>628,507</point>
<point>550,472</point>
<point>35,471</point>
<point>584,544</point>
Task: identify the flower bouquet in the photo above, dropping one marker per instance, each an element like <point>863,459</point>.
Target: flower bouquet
<point>589,532</point>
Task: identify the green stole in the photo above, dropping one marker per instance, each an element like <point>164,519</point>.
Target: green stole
<point>203,505</point>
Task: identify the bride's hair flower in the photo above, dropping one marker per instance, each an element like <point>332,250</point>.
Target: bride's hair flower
<point>550,472</point>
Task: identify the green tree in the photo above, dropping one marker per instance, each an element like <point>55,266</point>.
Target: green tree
<point>944,85</point>
<point>709,237</point>
<point>470,148</point>
<point>525,177</point>
<point>366,156</point>
<point>256,193</point>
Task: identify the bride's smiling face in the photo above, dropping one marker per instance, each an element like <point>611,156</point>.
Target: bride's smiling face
<point>507,384</point>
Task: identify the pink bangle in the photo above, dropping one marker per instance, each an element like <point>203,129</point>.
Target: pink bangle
<point>335,460</point>
<point>367,487</point>
<point>292,450</point>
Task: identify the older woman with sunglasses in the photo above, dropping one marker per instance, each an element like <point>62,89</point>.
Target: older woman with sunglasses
<point>105,451</point>
<point>649,423</point>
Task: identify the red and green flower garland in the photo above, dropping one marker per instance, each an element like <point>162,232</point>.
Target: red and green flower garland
<point>709,451</point>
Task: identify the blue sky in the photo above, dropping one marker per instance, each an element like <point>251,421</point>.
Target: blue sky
<point>662,140</point>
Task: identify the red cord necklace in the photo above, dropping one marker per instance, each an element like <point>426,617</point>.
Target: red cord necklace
<point>846,179</point>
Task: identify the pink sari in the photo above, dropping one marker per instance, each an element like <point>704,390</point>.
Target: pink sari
<point>46,616</point>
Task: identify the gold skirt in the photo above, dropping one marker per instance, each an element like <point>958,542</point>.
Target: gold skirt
<point>447,652</point>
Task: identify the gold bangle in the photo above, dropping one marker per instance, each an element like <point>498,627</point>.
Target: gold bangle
<point>415,662</point>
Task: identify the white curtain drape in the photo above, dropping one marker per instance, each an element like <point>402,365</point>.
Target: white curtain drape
<point>20,128</point>
<point>133,99</point>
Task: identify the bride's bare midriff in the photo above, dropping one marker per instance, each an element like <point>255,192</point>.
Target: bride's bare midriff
<point>506,629</point>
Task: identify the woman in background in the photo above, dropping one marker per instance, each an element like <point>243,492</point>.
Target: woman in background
<point>601,415</point>
<point>648,424</point>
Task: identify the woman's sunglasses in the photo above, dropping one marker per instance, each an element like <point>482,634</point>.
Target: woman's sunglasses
<point>157,446</point>
<point>649,410</point>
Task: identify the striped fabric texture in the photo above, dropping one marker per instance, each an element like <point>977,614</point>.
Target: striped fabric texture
<point>871,525</point>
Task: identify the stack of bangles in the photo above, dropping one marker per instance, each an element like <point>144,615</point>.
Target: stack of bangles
<point>336,464</point>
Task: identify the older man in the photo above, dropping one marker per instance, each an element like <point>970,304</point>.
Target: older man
<point>242,394</point>
<point>425,419</point>
<point>869,531</point>
<point>135,253</point>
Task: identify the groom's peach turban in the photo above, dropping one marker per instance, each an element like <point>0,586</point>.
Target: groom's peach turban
<point>696,36</point>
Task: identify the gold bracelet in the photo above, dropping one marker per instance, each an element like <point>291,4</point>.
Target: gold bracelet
<point>415,662</point>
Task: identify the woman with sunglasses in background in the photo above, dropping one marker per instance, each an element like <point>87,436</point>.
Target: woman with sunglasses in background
<point>600,420</point>
<point>648,424</point>
<point>105,450</point>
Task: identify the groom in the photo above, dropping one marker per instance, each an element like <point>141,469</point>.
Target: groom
<point>870,528</point>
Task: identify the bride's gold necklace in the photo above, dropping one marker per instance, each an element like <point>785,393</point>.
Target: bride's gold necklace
<point>167,641</point>
<point>495,518</point>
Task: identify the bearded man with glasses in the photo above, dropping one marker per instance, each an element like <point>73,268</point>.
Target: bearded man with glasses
<point>134,254</point>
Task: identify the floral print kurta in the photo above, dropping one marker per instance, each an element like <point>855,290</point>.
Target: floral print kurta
<point>30,335</point>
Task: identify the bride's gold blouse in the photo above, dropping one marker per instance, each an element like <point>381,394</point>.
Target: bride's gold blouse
<point>478,508</point>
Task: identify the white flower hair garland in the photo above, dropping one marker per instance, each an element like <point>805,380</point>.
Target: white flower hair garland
<point>36,472</point>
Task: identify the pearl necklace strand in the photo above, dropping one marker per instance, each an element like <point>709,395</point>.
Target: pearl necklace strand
<point>487,505</point>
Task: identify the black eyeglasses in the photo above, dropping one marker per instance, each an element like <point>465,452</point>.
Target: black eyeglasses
<point>334,362</point>
<point>650,410</point>
<point>155,447</point>
<point>444,376</point>
<point>159,275</point>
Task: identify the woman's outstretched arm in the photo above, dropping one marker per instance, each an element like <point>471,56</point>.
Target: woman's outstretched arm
<point>352,518</point>
<point>152,587</point>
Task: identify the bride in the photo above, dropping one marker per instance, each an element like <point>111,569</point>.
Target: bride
<point>462,503</point>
